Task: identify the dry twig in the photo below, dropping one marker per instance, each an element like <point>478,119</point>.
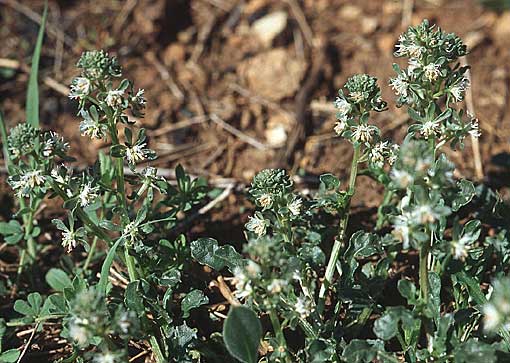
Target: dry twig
<point>239,134</point>
<point>475,145</point>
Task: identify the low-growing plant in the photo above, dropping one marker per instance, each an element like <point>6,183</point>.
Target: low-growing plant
<point>426,283</point>
<point>360,300</point>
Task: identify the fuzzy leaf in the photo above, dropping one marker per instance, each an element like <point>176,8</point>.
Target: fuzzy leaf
<point>207,252</point>
<point>465,194</point>
<point>242,332</point>
<point>192,300</point>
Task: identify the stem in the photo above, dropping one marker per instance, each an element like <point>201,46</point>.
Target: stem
<point>278,331</point>
<point>339,241</point>
<point>130,263</point>
<point>160,358</point>
<point>90,254</point>
<point>423,272</point>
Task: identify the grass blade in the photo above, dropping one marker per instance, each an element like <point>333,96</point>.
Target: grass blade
<point>32,106</point>
<point>3,134</point>
<point>105,269</point>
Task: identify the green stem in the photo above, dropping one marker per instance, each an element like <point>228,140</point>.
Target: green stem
<point>275,322</point>
<point>339,241</point>
<point>130,263</point>
<point>423,272</point>
<point>90,254</point>
<point>160,358</point>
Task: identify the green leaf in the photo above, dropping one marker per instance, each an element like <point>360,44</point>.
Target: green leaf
<point>408,290</point>
<point>133,298</point>
<point>329,182</point>
<point>10,356</point>
<point>465,194</point>
<point>12,231</point>
<point>242,332</point>
<point>58,279</point>
<point>207,252</point>
<point>474,351</point>
<point>5,149</point>
<point>31,307</point>
<point>192,300</point>
<point>362,351</point>
<point>32,106</point>
<point>105,269</point>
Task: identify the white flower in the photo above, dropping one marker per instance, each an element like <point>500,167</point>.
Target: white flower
<point>256,225</point>
<point>401,229</point>
<point>34,178</point>
<point>342,106</point>
<point>459,89</point>
<point>475,128</point>
<point>265,200</point>
<point>432,71</point>
<point>401,177</point>
<point>399,85</point>
<point>139,97</point>
<point>356,96</point>
<point>413,65</point>
<point>303,307</point>
<point>87,194</point>
<point>136,153</point>
<point>492,317</point>
<point>340,126</point>
<point>114,98</point>
<point>69,240</point>
<point>430,128</point>
<point>243,284</point>
<point>415,51</point>
<point>89,127</point>
<point>393,154</point>
<point>130,231</point>
<point>295,206</point>
<point>424,214</point>
<point>252,269</point>
<point>105,357</point>
<point>55,174</point>
<point>460,249</point>
<point>54,143</point>
<point>378,152</point>
<point>363,133</point>
<point>79,88</point>
<point>276,286</point>
<point>78,331</point>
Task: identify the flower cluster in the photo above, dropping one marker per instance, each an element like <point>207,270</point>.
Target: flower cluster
<point>496,312</point>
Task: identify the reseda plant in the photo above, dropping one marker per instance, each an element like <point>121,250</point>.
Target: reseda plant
<point>129,210</point>
<point>351,318</point>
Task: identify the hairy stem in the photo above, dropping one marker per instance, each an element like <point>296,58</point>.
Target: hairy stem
<point>339,241</point>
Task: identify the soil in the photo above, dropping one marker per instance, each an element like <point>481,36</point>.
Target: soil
<point>203,64</point>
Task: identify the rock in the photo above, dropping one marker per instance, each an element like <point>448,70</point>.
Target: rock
<point>174,53</point>
<point>274,74</point>
<point>269,26</point>
<point>276,135</point>
<point>368,25</point>
<point>350,12</point>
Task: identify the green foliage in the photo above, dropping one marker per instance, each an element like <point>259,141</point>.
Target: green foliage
<point>242,333</point>
<point>32,105</point>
